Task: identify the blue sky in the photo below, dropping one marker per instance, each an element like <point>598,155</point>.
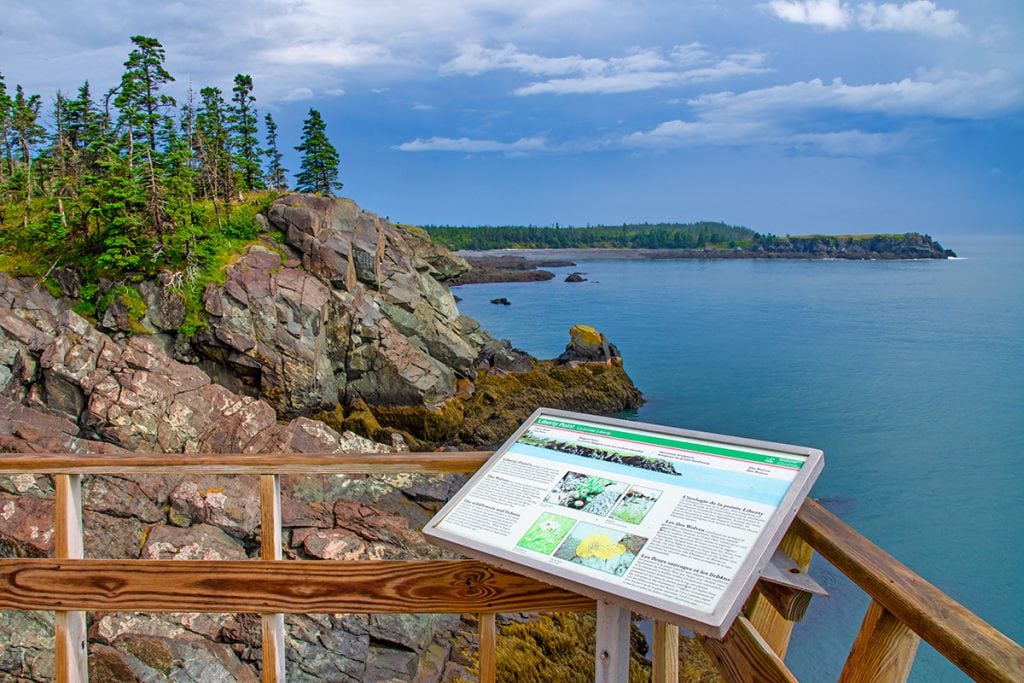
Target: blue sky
<point>788,116</point>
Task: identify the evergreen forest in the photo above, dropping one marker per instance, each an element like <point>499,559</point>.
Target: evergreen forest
<point>116,186</point>
<point>626,236</point>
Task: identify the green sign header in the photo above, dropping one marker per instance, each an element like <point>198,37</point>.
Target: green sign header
<point>669,442</point>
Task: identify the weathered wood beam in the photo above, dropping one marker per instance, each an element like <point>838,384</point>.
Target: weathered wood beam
<point>769,619</point>
<point>611,657</point>
<point>980,650</point>
<point>487,648</point>
<point>884,650</point>
<point>744,656</point>
<point>271,549</point>
<point>292,586</point>
<point>665,653</point>
<point>241,463</point>
<point>71,654</point>
<point>787,585</point>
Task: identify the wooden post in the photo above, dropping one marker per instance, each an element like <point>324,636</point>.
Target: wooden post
<point>665,655</point>
<point>884,650</point>
<point>270,549</point>
<point>612,656</point>
<point>744,656</point>
<point>72,656</point>
<point>487,647</point>
<point>772,626</point>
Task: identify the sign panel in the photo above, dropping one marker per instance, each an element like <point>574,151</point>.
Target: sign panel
<point>670,523</point>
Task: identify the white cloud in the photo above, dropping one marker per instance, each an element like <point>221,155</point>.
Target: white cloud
<point>297,95</point>
<point>848,143</point>
<point>334,53</point>
<point>641,69</point>
<point>798,115</point>
<point>473,146</point>
<point>828,14</point>
<point>957,95</point>
<point>919,16</point>
<point>617,83</point>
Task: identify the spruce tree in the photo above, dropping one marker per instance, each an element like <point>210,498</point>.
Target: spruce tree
<point>141,108</point>
<point>275,176</point>
<point>212,140</point>
<point>139,99</point>
<point>319,166</point>
<point>6,148</point>
<point>27,133</point>
<point>243,126</point>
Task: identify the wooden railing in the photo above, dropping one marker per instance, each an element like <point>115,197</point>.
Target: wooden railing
<point>904,607</point>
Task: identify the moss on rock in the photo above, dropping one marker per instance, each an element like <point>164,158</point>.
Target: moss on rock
<point>436,425</point>
<point>560,647</point>
<point>503,401</point>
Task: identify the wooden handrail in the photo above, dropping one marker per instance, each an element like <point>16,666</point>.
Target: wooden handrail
<point>272,586</point>
<point>979,649</point>
<point>292,586</point>
<point>242,463</point>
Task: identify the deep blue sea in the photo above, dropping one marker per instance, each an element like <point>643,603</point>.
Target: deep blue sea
<point>909,375</point>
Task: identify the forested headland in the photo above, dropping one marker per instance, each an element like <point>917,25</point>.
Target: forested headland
<point>711,240</point>
<point>625,236</point>
<point>114,186</point>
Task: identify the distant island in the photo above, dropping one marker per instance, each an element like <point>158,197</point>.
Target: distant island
<point>521,246</point>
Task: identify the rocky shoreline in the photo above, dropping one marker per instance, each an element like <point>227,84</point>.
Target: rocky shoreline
<point>342,336</point>
<point>485,268</point>
<point>524,265</point>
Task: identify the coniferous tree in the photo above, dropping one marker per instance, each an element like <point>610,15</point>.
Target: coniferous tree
<point>141,106</point>
<point>243,125</point>
<point>212,140</point>
<point>318,170</point>
<point>139,99</point>
<point>6,148</point>
<point>27,133</point>
<point>275,176</point>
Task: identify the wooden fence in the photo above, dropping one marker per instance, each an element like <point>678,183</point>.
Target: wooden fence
<point>904,607</point>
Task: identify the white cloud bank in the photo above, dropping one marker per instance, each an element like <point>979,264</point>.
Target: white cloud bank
<point>473,145</point>
<point>780,115</point>
<point>641,69</point>
<point>918,16</point>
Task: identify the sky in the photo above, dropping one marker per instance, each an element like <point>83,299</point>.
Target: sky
<point>786,116</point>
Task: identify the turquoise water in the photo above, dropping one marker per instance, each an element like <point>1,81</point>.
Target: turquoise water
<point>909,375</point>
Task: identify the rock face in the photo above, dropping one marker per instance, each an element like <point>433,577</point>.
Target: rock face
<point>350,307</point>
<point>345,325</point>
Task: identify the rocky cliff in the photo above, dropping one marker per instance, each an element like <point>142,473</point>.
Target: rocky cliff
<point>334,320</point>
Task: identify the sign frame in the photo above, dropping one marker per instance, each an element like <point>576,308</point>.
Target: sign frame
<point>714,623</point>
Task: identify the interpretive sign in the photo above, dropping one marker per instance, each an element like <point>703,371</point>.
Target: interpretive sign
<point>670,523</point>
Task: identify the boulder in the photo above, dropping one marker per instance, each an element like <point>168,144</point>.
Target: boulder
<point>588,345</point>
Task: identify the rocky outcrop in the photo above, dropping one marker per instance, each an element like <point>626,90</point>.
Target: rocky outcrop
<point>506,268</point>
<point>587,345</point>
<point>345,325</point>
<point>350,307</point>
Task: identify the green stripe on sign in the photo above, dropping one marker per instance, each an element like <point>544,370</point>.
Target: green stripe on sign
<point>780,461</point>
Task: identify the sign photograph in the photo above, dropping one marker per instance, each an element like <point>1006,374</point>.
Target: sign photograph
<point>670,523</point>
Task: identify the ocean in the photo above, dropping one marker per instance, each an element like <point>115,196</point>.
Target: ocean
<point>909,375</point>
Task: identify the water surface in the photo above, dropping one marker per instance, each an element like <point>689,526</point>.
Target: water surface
<point>908,374</point>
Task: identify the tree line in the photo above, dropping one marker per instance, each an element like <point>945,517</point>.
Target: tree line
<point>128,180</point>
<point>626,236</point>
